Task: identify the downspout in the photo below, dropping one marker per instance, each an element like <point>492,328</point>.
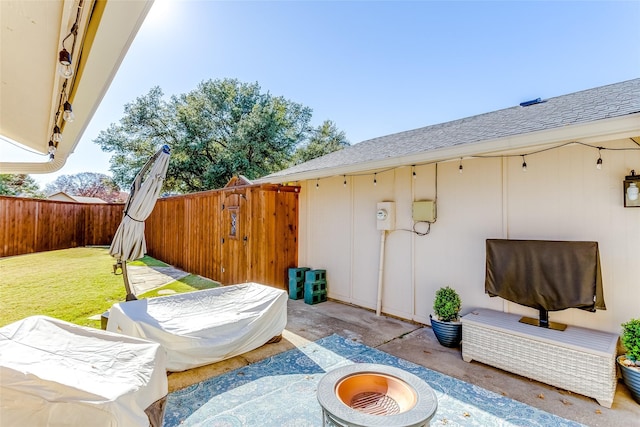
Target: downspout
<point>383,234</point>
<point>504,169</point>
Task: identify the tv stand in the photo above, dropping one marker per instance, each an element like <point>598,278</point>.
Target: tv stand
<point>543,321</point>
<point>577,359</point>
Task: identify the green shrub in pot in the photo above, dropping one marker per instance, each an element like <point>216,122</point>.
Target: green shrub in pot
<point>630,362</point>
<point>447,305</point>
<point>445,323</point>
<point>631,339</point>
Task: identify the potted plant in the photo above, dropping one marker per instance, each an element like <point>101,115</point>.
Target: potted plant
<point>446,323</point>
<point>630,362</point>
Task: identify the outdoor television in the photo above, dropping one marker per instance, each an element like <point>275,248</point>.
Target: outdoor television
<point>545,275</point>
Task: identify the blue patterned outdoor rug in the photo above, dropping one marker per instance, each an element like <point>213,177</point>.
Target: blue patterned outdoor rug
<point>281,391</point>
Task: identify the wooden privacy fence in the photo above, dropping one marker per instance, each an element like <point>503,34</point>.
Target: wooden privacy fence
<point>242,233</point>
<point>36,225</point>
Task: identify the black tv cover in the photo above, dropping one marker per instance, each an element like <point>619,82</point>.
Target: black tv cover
<point>545,275</point>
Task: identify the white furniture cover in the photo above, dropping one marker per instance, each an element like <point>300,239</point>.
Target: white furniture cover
<point>54,373</point>
<point>203,327</point>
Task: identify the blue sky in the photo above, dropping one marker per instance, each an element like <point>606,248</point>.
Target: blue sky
<point>374,68</point>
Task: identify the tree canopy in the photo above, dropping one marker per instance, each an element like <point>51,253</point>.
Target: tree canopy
<point>325,139</point>
<point>87,184</point>
<point>19,185</point>
<point>221,129</point>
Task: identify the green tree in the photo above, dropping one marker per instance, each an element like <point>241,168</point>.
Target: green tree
<point>325,139</point>
<point>220,129</point>
<point>87,184</point>
<point>19,185</point>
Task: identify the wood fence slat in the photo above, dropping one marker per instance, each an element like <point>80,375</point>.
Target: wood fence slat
<point>37,225</point>
<point>184,231</point>
<point>187,232</point>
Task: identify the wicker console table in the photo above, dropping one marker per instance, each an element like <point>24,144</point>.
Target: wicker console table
<point>576,359</point>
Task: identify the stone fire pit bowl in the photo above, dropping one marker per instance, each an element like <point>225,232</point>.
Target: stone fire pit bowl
<point>370,395</point>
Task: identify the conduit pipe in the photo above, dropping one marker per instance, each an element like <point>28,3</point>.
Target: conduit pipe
<point>383,234</point>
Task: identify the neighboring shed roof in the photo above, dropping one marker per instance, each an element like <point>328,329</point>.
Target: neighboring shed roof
<point>65,197</point>
<point>611,101</point>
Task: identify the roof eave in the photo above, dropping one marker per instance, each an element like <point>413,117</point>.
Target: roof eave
<point>590,133</point>
<point>111,33</point>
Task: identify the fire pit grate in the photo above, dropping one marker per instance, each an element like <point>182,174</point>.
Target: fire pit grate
<point>375,404</point>
<point>372,395</point>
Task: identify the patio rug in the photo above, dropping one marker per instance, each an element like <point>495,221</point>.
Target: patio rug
<point>281,391</point>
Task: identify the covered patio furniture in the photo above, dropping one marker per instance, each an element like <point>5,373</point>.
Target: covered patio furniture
<point>203,327</point>
<point>54,373</point>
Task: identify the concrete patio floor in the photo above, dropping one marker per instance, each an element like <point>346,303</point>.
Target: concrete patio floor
<point>418,344</point>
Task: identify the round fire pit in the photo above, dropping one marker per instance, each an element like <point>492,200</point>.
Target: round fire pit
<point>368,395</point>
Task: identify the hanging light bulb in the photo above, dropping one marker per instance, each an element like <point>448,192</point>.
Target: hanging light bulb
<point>68,115</point>
<point>52,147</point>
<point>599,161</point>
<point>65,69</point>
<point>344,184</point>
<point>375,181</point>
<point>57,136</point>
<point>414,171</point>
<point>64,57</point>
<point>632,191</point>
<point>460,167</point>
<point>317,183</point>
<point>524,164</point>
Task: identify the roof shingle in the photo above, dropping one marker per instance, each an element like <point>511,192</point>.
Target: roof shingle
<point>590,105</point>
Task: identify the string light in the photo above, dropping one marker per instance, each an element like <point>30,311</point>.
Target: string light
<point>65,67</point>
<point>317,183</point>
<point>480,156</point>
<point>67,70</point>
<point>64,58</point>
<point>344,184</point>
<point>68,115</point>
<point>57,136</point>
<point>52,147</point>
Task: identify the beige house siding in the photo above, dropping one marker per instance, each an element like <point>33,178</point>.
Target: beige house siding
<point>562,196</point>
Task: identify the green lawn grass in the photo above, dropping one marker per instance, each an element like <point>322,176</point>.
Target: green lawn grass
<point>148,261</point>
<point>70,284</point>
<point>186,284</point>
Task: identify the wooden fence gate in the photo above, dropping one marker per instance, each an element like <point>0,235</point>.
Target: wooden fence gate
<point>241,233</point>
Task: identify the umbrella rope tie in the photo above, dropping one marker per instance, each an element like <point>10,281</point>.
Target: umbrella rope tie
<point>136,220</point>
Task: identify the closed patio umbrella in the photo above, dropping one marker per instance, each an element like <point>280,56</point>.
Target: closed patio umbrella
<point>129,242</point>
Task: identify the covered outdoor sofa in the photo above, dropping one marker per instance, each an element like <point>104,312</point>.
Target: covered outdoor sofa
<point>203,327</point>
<point>54,373</point>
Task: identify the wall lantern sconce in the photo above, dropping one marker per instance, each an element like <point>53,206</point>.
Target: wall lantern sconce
<point>631,188</point>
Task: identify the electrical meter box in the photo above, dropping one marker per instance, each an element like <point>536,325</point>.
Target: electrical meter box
<point>424,210</point>
<point>386,216</point>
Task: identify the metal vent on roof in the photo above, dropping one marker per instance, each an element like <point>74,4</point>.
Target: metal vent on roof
<point>532,102</point>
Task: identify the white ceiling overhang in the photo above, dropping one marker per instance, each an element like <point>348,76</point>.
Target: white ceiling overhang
<point>30,87</point>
